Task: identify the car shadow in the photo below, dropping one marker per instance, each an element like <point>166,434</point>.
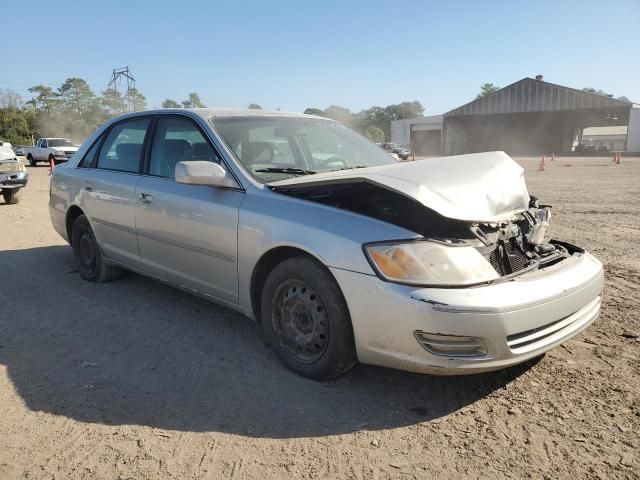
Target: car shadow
<point>135,351</point>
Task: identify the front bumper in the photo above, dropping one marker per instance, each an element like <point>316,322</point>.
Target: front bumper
<point>516,320</point>
<point>13,180</point>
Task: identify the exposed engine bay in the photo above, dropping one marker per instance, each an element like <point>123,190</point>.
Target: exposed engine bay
<point>521,244</point>
<point>512,247</point>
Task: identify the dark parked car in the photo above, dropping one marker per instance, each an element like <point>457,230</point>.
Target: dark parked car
<point>402,152</point>
<point>585,148</point>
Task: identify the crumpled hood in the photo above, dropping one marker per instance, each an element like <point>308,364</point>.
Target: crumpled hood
<point>481,187</point>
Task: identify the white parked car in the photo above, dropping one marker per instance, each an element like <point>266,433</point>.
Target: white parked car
<point>343,253</point>
<point>50,149</point>
<point>13,174</point>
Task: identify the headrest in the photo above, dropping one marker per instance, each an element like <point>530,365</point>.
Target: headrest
<point>176,148</point>
<point>202,151</point>
<point>129,150</point>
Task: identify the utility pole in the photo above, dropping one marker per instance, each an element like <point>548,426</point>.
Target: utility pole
<point>116,79</point>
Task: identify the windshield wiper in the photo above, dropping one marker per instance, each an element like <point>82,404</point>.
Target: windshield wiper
<point>294,171</point>
<point>347,168</point>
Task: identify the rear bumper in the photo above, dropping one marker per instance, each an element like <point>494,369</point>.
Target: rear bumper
<point>515,320</point>
<point>58,220</point>
<point>13,180</point>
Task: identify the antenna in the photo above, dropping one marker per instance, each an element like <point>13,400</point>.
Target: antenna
<point>116,79</point>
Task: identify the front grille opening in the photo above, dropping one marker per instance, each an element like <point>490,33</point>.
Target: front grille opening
<point>521,338</point>
<point>507,258</point>
<point>539,334</point>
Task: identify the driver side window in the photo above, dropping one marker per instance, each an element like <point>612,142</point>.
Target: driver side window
<point>177,139</point>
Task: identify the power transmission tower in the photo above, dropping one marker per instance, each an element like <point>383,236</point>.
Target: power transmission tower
<point>116,79</point>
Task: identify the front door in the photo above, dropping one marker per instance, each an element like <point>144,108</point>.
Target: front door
<point>187,234</point>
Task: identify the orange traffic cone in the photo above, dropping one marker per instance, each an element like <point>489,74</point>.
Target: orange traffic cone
<point>553,156</point>
<point>619,159</point>
<point>51,165</point>
<point>615,158</point>
<point>414,156</point>
<point>541,166</point>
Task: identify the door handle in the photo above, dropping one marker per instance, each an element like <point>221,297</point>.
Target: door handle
<point>145,198</point>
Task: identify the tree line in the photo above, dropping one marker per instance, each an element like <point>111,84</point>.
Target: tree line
<point>374,122</point>
<point>72,110</point>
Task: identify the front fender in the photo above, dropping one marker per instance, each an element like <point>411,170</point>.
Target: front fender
<point>270,220</point>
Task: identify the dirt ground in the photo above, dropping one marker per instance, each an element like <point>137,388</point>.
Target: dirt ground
<point>135,380</point>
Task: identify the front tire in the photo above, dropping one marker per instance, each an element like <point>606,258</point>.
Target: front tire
<point>88,256</point>
<point>32,161</point>
<point>11,195</point>
<point>306,319</point>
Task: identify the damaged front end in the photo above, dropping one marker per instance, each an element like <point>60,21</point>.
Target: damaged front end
<point>476,221</point>
<point>521,244</point>
<point>445,255</point>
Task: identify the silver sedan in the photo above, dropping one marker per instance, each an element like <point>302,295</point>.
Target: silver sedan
<point>341,252</point>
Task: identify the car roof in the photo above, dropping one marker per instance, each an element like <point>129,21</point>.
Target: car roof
<point>207,113</point>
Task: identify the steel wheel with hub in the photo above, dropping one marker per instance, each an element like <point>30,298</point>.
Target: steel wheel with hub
<point>300,321</point>
<point>88,256</point>
<point>306,320</point>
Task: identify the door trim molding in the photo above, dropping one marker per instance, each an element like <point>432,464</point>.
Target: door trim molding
<point>114,225</point>
<point>186,246</point>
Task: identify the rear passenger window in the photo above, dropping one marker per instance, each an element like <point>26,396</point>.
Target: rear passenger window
<point>89,159</point>
<point>122,149</point>
<point>177,140</point>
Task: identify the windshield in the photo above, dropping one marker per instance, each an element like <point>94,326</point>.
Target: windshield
<point>60,142</point>
<point>275,148</point>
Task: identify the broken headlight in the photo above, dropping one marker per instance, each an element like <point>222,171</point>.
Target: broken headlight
<point>429,263</point>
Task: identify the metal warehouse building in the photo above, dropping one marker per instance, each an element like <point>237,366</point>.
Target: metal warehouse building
<point>530,116</point>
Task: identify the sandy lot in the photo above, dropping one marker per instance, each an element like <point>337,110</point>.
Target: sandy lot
<point>132,379</point>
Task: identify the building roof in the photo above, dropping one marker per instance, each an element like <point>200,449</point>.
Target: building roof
<point>530,95</point>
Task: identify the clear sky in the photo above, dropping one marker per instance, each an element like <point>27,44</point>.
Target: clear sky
<point>298,54</point>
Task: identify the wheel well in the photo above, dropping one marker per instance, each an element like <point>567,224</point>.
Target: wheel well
<point>262,269</point>
<point>73,213</point>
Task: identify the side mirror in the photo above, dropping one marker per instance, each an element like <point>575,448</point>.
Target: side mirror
<point>200,172</point>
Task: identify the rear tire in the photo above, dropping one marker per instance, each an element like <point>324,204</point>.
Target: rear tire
<point>89,259</point>
<point>32,161</point>
<point>306,319</point>
<point>11,195</point>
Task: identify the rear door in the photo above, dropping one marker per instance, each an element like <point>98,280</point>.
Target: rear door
<point>110,179</point>
<point>188,234</point>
